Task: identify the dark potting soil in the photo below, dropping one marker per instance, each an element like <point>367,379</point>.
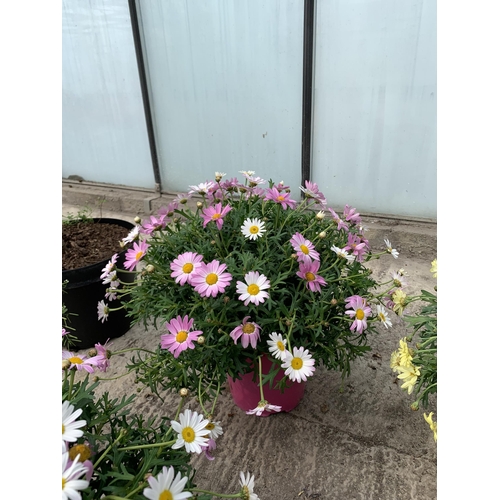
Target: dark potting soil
<point>87,243</point>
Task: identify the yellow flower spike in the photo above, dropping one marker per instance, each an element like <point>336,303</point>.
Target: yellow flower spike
<point>432,425</point>
<point>409,374</point>
<point>434,268</point>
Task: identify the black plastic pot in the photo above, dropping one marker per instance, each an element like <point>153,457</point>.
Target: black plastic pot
<point>82,293</point>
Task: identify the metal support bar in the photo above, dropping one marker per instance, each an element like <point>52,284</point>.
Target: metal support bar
<point>145,94</point>
<point>307,78</point>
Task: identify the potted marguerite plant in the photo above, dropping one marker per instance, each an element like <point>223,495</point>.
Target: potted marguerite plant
<point>248,284</point>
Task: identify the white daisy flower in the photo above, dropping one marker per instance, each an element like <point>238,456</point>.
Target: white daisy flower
<point>382,316</point>
<point>102,311</point>
<point>343,254</point>
<point>71,482</point>
<point>299,365</point>
<point>320,215</point>
<point>277,346</point>
<point>132,235</point>
<point>248,173</point>
<point>219,176</point>
<point>166,486</point>
<point>71,429</point>
<point>215,429</point>
<point>247,486</point>
<point>253,228</point>
<point>253,289</point>
<point>202,188</point>
<point>192,431</point>
<point>391,250</point>
<point>262,407</point>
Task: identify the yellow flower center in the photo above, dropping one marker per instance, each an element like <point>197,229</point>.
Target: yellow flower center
<point>253,289</point>
<point>181,336</point>
<point>360,314</point>
<point>248,328</point>
<point>254,229</point>
<point>76,360</point>
<point>165,495</point>
<point>310,276</point>
<point>63,483</point>
<point>210,426</point>
<point>211,279</point>
<point>280,345</point>
<point>297,363</point>
<point>81,449</point>
<point>381,316</point>
<point>188,434</point>
<point>187,268</point>
<point>216,216</point>
<point>138,255</point>
<point>63,428</point>
<point>304,249</point>
<point>281,198</point>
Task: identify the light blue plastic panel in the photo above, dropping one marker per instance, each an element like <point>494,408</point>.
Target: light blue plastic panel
<point>226,86</point>
<point>374,140</point>
<point>104,135</point>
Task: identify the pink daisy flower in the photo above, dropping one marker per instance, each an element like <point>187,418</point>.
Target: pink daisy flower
<point>351,215</point>
<point>103,355</point>
<point>210,279</point>
<point>253,288</point>
<point>185,266</point>
<point>215,213</point>
<point>307,271</point>
<point>280,197</point>
<point>360,311</point>
<point>79,361</point>
<point>110,266</point>
<point>356,246</point>
<point>180,337</point>
<point>135,254</point>
<point>312,191</point>
<point>340,223</point>
<point>248,331</point>
<point>304,248</point>
<point>154,224</point>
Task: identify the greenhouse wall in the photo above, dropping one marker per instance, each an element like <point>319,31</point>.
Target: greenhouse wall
<point>224,82</point>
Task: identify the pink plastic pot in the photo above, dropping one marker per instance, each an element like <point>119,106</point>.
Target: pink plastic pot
<point>246,392</point>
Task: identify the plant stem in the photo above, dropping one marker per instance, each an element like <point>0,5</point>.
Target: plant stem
<point>260,379</point>
<point>122,434</point>
<point>144,446</point>
<point>71,380</point>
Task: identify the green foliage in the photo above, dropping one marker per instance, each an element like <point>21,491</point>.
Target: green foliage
<point>314,320</point>
<point>112,427</point>
<point>83,215</point>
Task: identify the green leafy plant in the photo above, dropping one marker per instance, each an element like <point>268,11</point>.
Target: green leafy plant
<point>416,359</point>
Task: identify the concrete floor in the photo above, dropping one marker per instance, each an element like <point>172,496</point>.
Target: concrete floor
<point>360,443</point>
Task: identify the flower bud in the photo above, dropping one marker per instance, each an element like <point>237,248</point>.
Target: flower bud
<point>226,299</point>
<point>183,392</point>
<point>201,340</point>
<point>80,449</point>
<point>414,406</point>
<point>95,379</point>
<point>122,244</point>
<point>147,476</point>
<point>288,322</point>
<point>212,242</point>
<point>137,220</point>
<point>322,234</point>
<point>435,288</point>
<point>334,302</point>
<point>320,215</point>
<point>92,352</point>
<point>183,201</point>
<point>199,204</point>
<point>150,268</point>
<point>66,363</point>
<point>293,256</point>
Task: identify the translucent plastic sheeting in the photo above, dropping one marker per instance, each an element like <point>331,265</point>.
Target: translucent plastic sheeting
<point>226,88</point>
<point>103,124</point>
<point>374,106</point>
